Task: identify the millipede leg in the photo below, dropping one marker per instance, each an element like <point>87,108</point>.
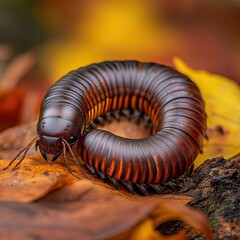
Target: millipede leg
<point>92,125</point>
<point>127,113</point>
<point>171,184</point>
<point>146,120</point>
<point>116,114</point>
<point>102,175</point>
<point>91,169</point>
<point>99,120</point>
<point>129,187</point>
<point>206,137</point>
<point>157,187</point>
<point>190,170</point>
<point>114,181</point>
<point>143,188</point>
<point>136,116</point>
<point>107,116</point>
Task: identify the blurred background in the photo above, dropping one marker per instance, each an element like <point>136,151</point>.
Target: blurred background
<point>40,40</point>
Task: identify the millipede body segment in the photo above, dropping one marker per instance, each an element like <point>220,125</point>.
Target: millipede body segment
<point>170,99</point>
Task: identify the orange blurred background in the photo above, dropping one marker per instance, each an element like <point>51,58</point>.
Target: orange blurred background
<point>42,40</point>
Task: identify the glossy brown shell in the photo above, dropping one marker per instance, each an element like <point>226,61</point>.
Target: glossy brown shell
<point>171,100</point>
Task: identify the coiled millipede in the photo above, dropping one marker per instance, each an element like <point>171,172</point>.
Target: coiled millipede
<point>170,99</point>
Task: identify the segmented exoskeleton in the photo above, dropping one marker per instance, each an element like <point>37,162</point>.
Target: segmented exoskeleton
<point>170,99</point>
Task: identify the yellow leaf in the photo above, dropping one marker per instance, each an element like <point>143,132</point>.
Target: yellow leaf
<point>222,99</point>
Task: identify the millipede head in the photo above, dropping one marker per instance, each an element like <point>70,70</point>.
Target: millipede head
<point>49,145</point>
<point>52,130</point>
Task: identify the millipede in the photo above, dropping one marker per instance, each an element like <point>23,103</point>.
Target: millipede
<point>169,100</point>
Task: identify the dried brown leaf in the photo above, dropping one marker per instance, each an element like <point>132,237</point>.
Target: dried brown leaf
<point>32,180</point>
<point>14,139</point>
<point>78,211</point>
<point>47,202</point>
<point>83,210</point>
